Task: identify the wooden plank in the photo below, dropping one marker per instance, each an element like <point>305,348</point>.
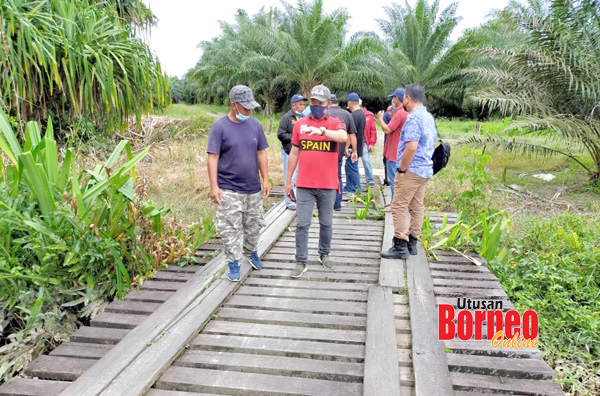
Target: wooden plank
<point>495,384</point>
<point>429,358</point>
<point>149,296</point>
<point>484,348</point>
<point>117,320</point>
<point>285,332</point>
<point>293,318</point>
<point>356,269</point>
<point>405,357</point>
<point>462,268</point>
<point>32,387</point>
<point>81,350</point>
<point>314,242</point>
<point>500,366</point>
<point>347,247</point>
<point>179,268</point>
<point>168,276</point>
<point>58,367</point>
<point>477,276</point>
<point>276,365</point>
<point>160,285</point>
<point>506,304</point>
<point>407,377</point>
<point>162,392</point>
<point>114,370</point>
<point>402,311</point>
<point>336,251</point>
<point>302,293</point>
<point>381,355</point>
<point>403,341</point>
<point>132,307</point>
<point>306,284</point>
<point>480,293</point>
<point>249,384</point>
<point>340,236</point>
<point>467,283</point>
<point>391,272</point>
<point>280,347</point>
<point>98,335</point>
<point>400,299</point>
<point>314,257</point>
<point>331,276</point>
<point>291,304</point>
<point>402,326</point>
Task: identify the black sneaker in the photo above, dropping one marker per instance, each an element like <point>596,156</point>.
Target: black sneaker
<point>412,245</point>
<point>399,250</point>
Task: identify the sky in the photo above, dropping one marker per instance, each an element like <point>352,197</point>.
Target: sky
<point>182,24</point>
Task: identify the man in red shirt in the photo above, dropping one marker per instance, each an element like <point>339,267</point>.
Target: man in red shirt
<point>315,142</point>
<point>370,141</point>
<point>393,130</point>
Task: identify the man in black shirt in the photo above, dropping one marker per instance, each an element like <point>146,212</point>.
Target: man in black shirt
<point>336,111</point>
<point>358,116</point>
<point>284,134</point>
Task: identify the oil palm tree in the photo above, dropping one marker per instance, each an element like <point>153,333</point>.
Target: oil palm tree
<point>550,79</point>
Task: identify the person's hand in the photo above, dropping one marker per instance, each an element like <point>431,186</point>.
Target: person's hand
<point>380,114</point>
<point>266,189</point>
<point>346,154</point>
<point>354,157</point>
<point>288,190</point>
<point>390,110</point>
<point>314,131</point>
<point>370,148</point>
<point>216,195</point>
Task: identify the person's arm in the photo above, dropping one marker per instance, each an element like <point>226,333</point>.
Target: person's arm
<point>284,131</point>
<point>354,144</point>
<point>215,191</point>
<point>384,127</point>
<point>292,162</point>
<point>263,166</point>
<point>338,136</point>
<point>409,153</point>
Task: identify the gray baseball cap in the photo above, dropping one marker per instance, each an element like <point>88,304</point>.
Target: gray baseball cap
<point>243,95</point>
<point>321,93</point>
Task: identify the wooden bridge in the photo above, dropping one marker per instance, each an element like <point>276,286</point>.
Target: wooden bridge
<point>369,327</point>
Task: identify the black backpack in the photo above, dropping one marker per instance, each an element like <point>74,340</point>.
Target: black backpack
<point>440,156</point>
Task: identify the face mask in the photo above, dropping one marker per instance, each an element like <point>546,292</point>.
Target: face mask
<point>240,116</point>
<point>318,112</point>
<point>298,113</point>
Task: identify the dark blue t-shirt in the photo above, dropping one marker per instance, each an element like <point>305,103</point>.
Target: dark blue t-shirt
<point>237,146</point>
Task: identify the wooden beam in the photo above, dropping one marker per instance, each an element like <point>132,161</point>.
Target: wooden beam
<point>429,357</point>
<point>381,354</point>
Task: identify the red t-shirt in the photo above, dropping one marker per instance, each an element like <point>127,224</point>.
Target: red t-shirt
<point>318,155</point>
<point>390,150</point>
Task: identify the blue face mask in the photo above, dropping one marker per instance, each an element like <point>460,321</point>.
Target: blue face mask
<point>240,116</point>
<point>299,114</point>
<point>318,112</point>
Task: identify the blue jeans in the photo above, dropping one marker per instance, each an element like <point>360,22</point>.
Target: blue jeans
<point>286,156</point>
<point>338,196</point>
<point>391,175</point>
<point>352,176</point>
<point>366,160</point>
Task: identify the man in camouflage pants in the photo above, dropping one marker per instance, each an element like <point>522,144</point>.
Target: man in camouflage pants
<point>237,150</point>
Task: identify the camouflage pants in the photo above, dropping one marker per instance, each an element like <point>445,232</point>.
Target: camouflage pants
<point>240,220</point>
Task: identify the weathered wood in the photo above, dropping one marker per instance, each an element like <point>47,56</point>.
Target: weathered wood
<point>149,296</point>
<point>280,347</point>
<point>429,358</point>
<point>81,350</point>
<point>461,268</point>
<point>276,365</point>
<point>347,246</point>
<point>336,251</point>
<point>340,236</point>
<point>404,358</point>
<point>162,392</point>
<point>246,384</point>
<point>160,285</point>
<point>484,348</point>
<point>314,257</point>
<point>355,269</point>
<point>403,341</point>
<point>400,299</point>
<point>290,239</point>
<point>32,387</point>
<point>290,304</point>
<point>293,318</point>
<point>401,311</point>
<point>99,335</point>
<point>58,367</point>
<point>467,283</point>
<point>381,356</point>
<point>403,326</point>
<point>168,276</point>
<point>407,377</point>
<point>286,332</point>
<point>302,293</point>
<point>479,276</point>
<point>306,284</point>
<point>331,276</point>
<point>185,268</point>
<point>117,320</point>
<point>132,307</point>
<point>479,293</point>
<point>506,304</point>
<point>499,366</point>
<point>391,273</point>
<point>114,370</point>
<point>495,384</point>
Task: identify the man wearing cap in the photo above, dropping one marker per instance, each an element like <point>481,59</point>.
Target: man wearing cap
<point>237,151</point>
<point>370,141</point>
<point>314,150</point>
<point>393,131</point>
<point>284,134</point>
<point>336,111</point>
<point>415,168</point>
<point>352,174</point>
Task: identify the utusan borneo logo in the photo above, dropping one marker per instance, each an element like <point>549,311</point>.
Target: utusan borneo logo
<point>479,318</point>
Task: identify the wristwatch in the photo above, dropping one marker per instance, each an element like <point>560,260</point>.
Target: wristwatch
<point>401,171</point>
<point>323,129</point>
